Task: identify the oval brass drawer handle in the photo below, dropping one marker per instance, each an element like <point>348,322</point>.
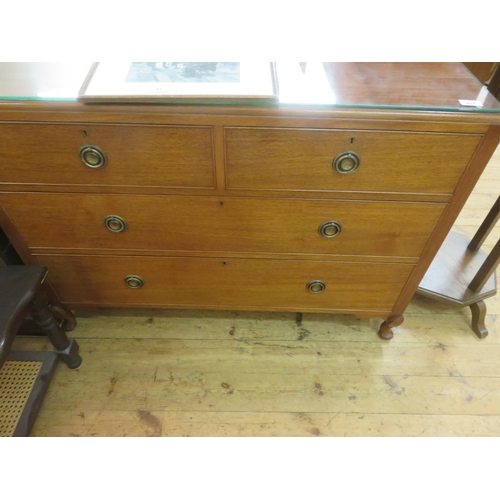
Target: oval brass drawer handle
<point>133,281</point>
<point>346,162</point>
<point>330,229</point>
<point>93,157</point>
<point>115,223</point>
<point>316,286</point>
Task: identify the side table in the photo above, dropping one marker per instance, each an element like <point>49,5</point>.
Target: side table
<point>463,274</point>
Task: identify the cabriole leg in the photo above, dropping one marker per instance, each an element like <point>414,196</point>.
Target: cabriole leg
<point>385,331</point>
<point>478,315</point>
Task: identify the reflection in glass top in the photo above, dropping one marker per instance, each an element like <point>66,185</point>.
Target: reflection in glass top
<point>42,81</point>
<point>427,86</point>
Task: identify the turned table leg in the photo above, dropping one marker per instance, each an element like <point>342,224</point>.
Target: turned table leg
<point>65,348</point>
<point>385,331</point>
<point>478,315</point>
<point>68,320</point>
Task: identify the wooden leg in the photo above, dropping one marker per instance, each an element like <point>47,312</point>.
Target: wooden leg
<point>66,349</point>
<point>478,315</point>
<point>385,331</point>
<point>69,320</point>
<point>298,319</point>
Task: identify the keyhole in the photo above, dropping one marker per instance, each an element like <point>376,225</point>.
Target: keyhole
<point>352,140</point>
<point>221,203</point>
<point>85,133</point>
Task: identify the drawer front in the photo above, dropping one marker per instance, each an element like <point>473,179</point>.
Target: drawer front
<point>302,159</point>
<point>199,223</point>
<point>228,283</point>
<point>157,156</point>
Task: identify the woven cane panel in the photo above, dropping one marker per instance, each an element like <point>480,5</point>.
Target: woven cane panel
<point>16,381</point>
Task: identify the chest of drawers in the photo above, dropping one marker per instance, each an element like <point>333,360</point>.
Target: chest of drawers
<point>284,208</point>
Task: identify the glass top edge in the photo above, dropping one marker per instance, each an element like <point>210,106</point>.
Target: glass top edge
<point>152,102</point>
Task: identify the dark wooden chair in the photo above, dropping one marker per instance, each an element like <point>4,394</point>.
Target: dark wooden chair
<point>22,292</point>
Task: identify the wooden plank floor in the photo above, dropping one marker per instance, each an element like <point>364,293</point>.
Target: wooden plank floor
<point>185,373</point>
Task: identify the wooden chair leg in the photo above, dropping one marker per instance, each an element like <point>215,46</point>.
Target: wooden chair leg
<point>478,315</point>
<point>68,320</point>
<point>65,348</point>
<point>8,335</point>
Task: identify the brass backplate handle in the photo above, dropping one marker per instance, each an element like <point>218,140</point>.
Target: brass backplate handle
<point>93,157</point>
<point>347,162</point>
<point>316,286</point>
<point>133,281</point>
<point>330,229</point>
<point>115,223</point>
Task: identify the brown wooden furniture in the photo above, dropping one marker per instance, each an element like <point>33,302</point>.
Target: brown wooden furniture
<point>463,274</point>
<point>488,73</point>
<point>288,207</point>
<point>22,291</point>
<point>25,375</point>
<point>8,255</point>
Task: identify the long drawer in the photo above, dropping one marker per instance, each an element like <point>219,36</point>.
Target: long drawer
<point>225,283</point>
<point>161,156</point>
<point>222,224</point>
<point>302,159</point>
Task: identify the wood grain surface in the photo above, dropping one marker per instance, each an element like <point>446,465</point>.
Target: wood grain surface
<point>222,224</point>
<point>255,284</point>
<point>301,159</point>
<point>137,155</point>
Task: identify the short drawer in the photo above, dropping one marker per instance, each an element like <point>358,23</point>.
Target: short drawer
<point>303,159</point>
<point>225,283</point>
<point>213,224</point>
<point>159,156</point>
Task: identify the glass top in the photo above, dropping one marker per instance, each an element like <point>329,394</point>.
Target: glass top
<point>406,86</point>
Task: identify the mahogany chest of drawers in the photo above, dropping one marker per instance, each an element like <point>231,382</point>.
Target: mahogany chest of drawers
<point>277,207</point>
